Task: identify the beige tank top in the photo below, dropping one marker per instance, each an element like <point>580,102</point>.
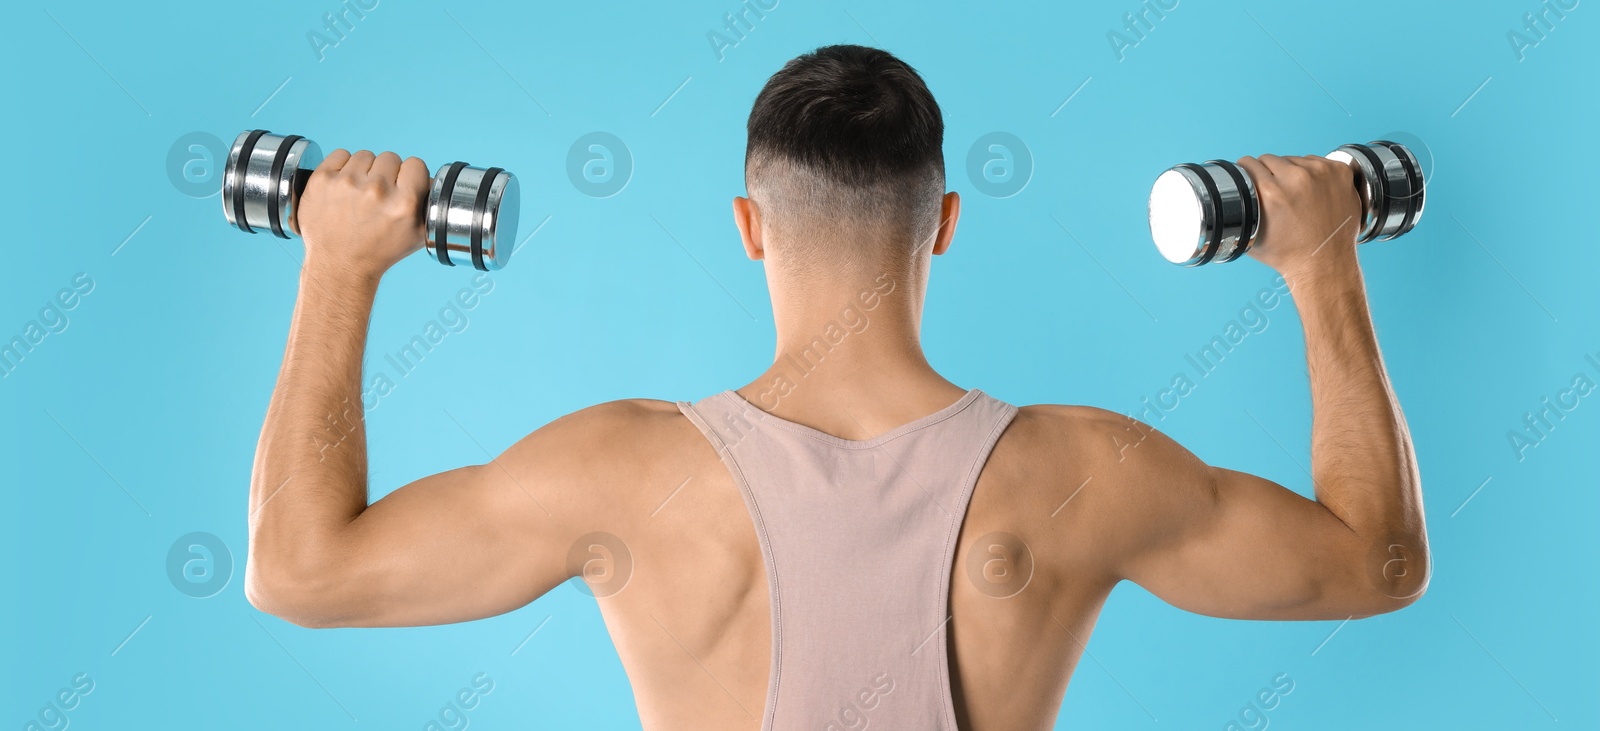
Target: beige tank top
<point>858,538</point>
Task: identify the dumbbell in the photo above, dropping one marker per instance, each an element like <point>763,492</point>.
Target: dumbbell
<point>471,214</point>
<point>1209,212</point>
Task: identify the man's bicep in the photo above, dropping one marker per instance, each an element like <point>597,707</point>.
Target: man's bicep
<point>1230,544</point>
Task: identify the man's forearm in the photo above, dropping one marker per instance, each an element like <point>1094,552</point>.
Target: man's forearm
<point>310,476</point>
<point>1362,462</point>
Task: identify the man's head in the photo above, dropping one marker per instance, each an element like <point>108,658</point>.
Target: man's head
<point>845,166</point>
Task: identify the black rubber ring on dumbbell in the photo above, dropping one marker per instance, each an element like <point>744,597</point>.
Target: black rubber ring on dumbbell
<point>441,227</point>
<point>480,206</point>
<point>1213,234</point>
<point>1250,212</point>
<point>238,173</point>
<point>278,160</point>
<point>1380,190</point>
<point>1413,178</point>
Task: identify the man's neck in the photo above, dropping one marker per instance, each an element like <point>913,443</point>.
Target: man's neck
<point>849,360</point>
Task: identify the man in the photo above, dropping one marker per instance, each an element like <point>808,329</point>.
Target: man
<point>849,538</point>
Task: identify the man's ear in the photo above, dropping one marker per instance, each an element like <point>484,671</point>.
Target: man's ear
<point>747,216</point>
<point>949,212</point>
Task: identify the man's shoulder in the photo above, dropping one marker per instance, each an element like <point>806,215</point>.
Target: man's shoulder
<point>1072,416</point>
<point>624,411</point>
<point>1058,440</point>
<point>1062,437</point>
<point>1057,482</point>
<point>1083,429</point>
<point>625,424</point>
<point>609,446</point>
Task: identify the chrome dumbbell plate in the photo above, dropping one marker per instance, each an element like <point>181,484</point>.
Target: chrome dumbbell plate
<point>263,179</point>
<point>466,223</point>
<point>1393,187</point>
<point>1204,213</point>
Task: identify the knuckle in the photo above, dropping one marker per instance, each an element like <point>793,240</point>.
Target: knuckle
<point>1275,199</point>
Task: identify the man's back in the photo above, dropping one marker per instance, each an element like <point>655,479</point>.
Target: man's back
<point>687,599</point>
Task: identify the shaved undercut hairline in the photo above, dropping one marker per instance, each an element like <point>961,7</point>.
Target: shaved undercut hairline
<point>837,223</point>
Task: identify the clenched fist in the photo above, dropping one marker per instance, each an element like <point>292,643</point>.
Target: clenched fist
<point>1310,212</point>
<point>361,213</point>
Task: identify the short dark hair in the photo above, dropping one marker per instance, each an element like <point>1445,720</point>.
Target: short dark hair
<point>859,122</point>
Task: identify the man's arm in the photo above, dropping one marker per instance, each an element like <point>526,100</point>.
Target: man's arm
<point>1229,544</point>
<point>467,543</point>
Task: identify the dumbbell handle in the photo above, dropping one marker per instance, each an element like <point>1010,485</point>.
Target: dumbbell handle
<point>471,217</point>
<point>1210,212</point>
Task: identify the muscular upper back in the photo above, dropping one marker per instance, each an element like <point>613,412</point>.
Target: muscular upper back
<point>688,609</point>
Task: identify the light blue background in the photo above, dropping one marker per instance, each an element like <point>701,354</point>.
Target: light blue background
<point>158,386</point>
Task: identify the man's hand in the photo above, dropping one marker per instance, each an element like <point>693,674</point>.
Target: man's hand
<point>362,213</point>
<point>1310,213</point>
